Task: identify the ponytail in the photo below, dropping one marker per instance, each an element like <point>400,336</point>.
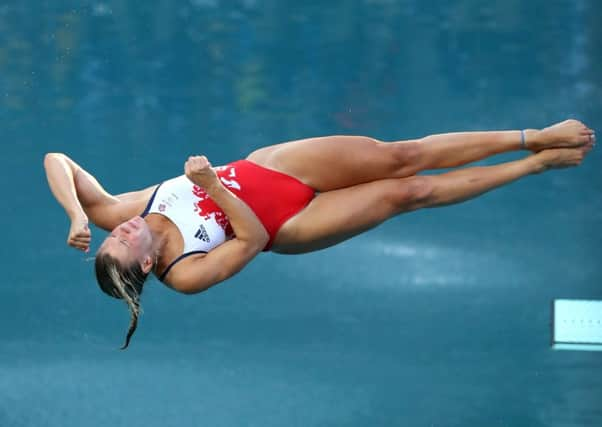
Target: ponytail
<point>123,283</point>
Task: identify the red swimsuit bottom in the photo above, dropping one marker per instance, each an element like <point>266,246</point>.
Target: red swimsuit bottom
<point>273,196</point>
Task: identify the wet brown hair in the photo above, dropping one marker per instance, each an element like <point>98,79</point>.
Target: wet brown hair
<point>122,282</point>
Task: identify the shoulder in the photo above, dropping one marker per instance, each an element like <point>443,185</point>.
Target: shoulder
<point>121,207</point>
<point>198,273</point>
<point>181,273</point>
<point>135,202</point>
<point>139,196</point>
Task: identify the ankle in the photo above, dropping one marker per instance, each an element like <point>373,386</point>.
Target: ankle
<point>537,163</point>
<point>531,139</point>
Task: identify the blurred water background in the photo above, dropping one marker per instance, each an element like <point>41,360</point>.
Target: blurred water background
<point>437,318</point>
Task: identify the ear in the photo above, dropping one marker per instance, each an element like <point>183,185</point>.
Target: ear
<point>147,264</point>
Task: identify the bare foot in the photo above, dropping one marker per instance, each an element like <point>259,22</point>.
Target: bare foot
<point>567,134</point>
<point>559,158</point>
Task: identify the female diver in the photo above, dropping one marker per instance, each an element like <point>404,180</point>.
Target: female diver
<point>199,229</point>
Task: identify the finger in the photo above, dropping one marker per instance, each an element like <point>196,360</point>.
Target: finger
<point>77,245</point>
<point>203,165</point>
<point>201,161</point>
<point>83,241</point>
<point>81,237</point>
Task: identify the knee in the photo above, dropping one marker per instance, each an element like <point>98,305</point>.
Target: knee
<point>412,193</point>
<point>406,155</point>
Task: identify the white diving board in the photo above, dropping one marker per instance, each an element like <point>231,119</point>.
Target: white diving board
<point>577,325</point>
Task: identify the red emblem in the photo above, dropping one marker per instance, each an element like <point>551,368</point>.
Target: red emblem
<point>207,208</point>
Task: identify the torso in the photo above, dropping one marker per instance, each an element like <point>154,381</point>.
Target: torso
<point>133,204</point>
<point>161,221</point>
<point>188,212</point>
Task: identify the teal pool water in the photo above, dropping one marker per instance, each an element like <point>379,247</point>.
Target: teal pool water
<point>437,318</point>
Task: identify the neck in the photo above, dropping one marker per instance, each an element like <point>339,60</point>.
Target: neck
<point>158,231</point>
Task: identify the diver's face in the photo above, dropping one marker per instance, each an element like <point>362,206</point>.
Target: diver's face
<point>129,241</point>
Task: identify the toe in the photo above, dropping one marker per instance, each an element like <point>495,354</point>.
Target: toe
<point>584,139</point>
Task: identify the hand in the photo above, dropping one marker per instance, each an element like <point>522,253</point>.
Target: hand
<point>199,170</point>
<point>79,234</point>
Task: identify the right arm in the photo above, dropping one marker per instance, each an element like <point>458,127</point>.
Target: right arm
<point>196,274</point>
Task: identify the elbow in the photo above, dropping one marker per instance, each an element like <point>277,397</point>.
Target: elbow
<point>257,245</point>
<point>254,244</point>
<point>50,157</point>
<point>263,241</point>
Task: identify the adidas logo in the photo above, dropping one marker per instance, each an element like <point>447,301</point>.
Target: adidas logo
<point>201,234</point>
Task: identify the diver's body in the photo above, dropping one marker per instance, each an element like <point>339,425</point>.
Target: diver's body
<point>340,186</point>
<point>359,183</point>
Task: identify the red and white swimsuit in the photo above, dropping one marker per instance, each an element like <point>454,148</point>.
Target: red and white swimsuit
<point>273,196</point>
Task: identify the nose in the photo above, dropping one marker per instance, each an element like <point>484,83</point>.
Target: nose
<point>134,222</point>
<point>125,228</point>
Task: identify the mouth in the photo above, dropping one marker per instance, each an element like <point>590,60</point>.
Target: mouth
<point>135,222</point>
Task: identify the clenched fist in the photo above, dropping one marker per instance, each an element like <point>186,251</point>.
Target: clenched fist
<point>79,234</point>
<point>199,170</point>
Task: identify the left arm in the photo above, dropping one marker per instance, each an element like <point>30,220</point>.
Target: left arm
<point>80,195</point>
<point>83,198</point>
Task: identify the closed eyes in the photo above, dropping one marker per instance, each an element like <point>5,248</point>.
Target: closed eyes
<point>124,242</point>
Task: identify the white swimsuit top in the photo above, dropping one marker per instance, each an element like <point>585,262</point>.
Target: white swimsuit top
<point>201,222</point>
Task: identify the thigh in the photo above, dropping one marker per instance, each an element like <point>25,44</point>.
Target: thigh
<point>338,215</point>
<point>334,162</point>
